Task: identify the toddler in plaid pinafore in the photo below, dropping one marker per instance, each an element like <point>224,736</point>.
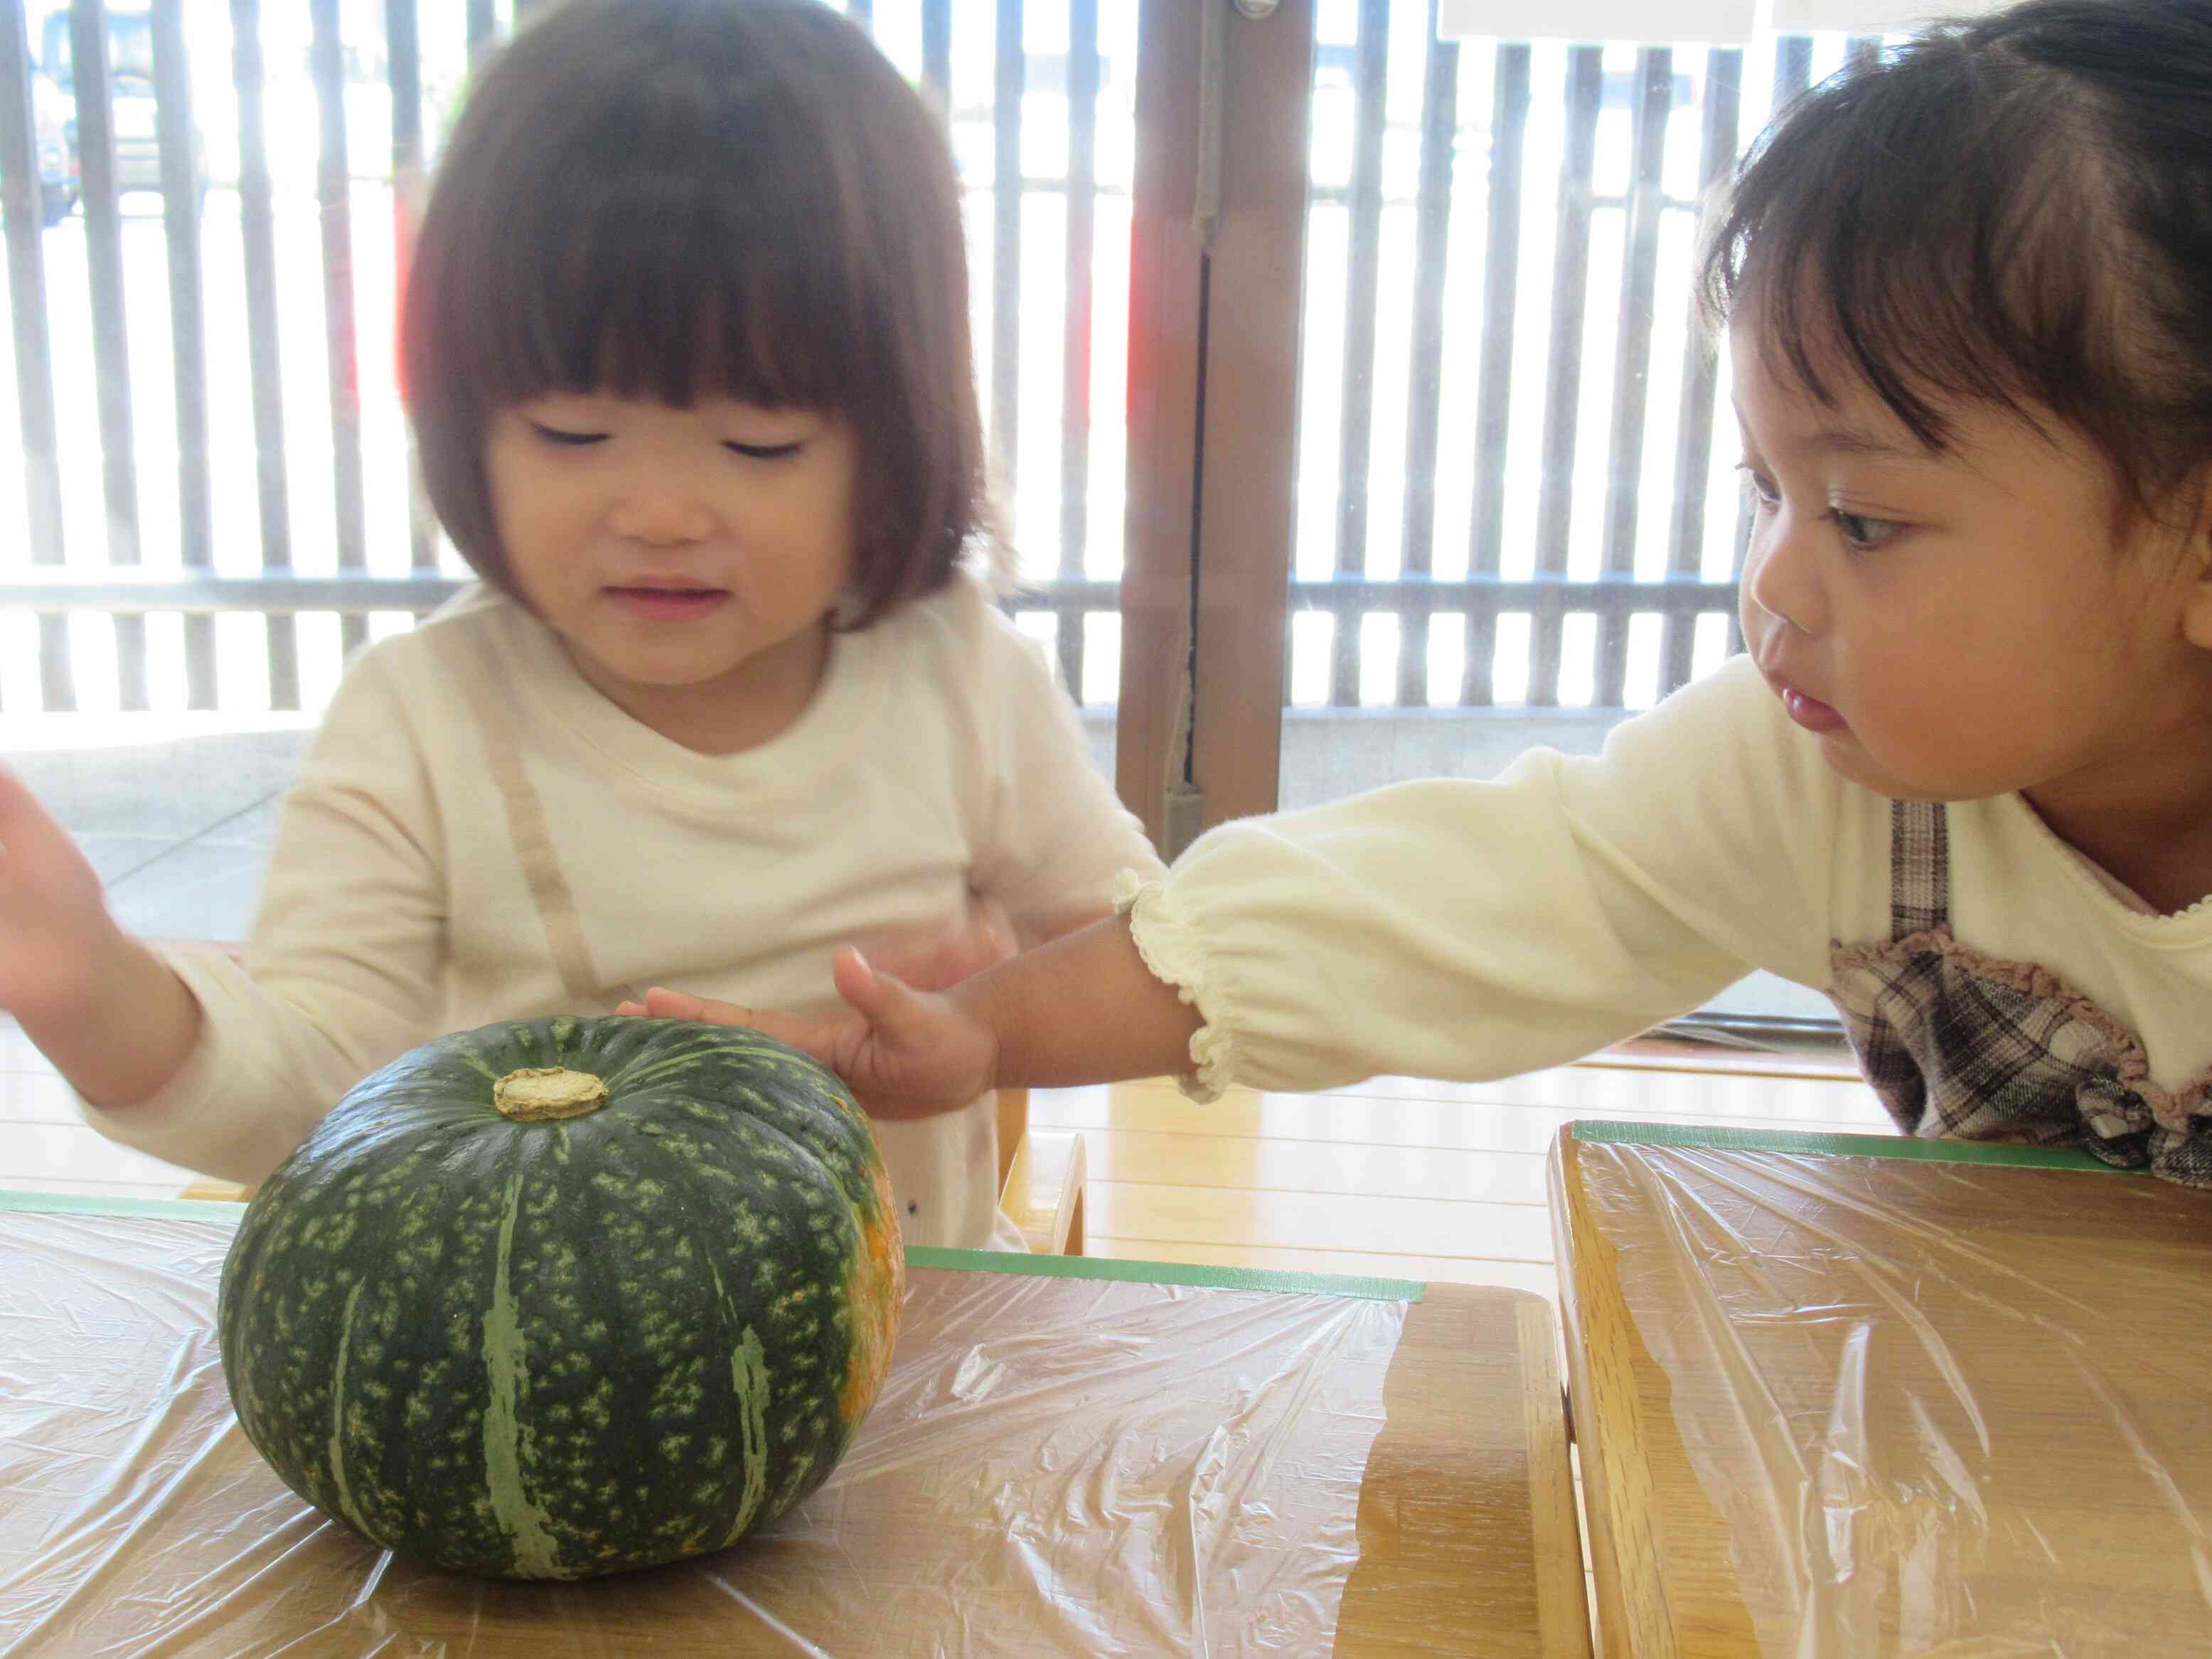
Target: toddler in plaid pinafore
<point>1969,343</point>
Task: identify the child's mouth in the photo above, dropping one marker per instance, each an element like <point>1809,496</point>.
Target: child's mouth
<point>668,603</point>
<point>1810,712</point>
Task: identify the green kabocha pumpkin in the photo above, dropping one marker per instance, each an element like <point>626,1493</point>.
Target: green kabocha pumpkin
<point>567,1297</point>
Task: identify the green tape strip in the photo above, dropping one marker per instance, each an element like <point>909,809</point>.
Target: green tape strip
<point>987,1262</point>
<point>1163,1272</point>
<point>163,1209</point>
<point>1906,1148</point>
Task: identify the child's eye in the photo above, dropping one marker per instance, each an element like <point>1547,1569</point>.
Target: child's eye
<point>764,451</point>
<point>1761,487</point>
<point>554,434</point>
<point>1862,533</point>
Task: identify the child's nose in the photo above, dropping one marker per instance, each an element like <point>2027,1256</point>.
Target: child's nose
<point>661,514</point>
<point>1779,577</point>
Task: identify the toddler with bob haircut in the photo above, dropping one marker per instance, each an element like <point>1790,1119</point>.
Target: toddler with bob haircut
<point>686,350</point>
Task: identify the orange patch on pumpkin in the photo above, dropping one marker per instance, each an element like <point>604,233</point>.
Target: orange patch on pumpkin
<point>875,1294</point>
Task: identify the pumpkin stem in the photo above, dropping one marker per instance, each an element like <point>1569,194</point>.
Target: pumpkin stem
<point>538,1094</point>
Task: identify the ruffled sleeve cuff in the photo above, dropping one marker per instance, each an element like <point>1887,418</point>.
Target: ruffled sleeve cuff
<point>1171,952</point>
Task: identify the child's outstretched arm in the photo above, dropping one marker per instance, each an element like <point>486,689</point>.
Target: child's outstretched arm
<point>1083,1008</point>
<point>113,1018</point>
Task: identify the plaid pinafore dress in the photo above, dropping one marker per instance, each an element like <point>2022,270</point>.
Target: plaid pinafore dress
<point>1959,1044</point>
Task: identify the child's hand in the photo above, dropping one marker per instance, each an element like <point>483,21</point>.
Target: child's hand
<point>113,1017</point>
<point>56,940</point>
<point>904,1053</point>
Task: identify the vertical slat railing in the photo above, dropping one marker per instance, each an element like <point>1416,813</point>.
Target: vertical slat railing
<point>1008,82</point>
<point>1793,69</point>
<point>1625,503</point>
<point>482,24</point>
<point>937,52</point>
<point>1362,285</point>
<point>175,128</point>
<point>333,192</point>
<point>34,373</point>
<point>1510,99</point>
<point>1562,383</point>
<point>403,49</point>
<point>1431,248</point>
<point>257,220</point>
<point>111,339</point>
<point>1632,378</point>
<point>1082,78</point>
<point>1693,432</point>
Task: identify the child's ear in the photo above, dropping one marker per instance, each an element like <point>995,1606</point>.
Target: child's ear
<point>2196,605</point>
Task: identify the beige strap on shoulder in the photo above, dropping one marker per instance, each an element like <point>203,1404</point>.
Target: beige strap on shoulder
<point>533,840</point>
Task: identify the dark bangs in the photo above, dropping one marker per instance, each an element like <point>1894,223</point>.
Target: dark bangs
<point>623,264</point>
<point>2015,212</point>
<point>674,199</point>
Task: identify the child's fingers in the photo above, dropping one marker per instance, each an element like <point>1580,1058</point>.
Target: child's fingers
<point>809,1035</point>
<point>893,1007</point>
<point>661,1003</point>
<point>859,984</point>
<point>14,795</point>
<point>26,829</point>
<point>40,863</point>
<point>996,928</point>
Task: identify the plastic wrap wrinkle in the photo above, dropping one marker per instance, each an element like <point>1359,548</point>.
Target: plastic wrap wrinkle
<point>1929,1425</point>
<point>1055,1466</point>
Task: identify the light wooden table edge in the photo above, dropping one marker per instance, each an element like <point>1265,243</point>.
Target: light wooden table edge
<point>1635,1620</point>
<point>1556,1532</point>
<point>1558,1592</point>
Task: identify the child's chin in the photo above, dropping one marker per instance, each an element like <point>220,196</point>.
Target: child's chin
<point>1849,761</point>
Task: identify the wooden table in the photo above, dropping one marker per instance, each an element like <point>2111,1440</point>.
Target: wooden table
<point>1856,1395</point>
<point>1071,1455</point>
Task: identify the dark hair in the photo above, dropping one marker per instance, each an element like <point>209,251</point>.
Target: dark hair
<point>2015,211</point>
<point>677,199</point>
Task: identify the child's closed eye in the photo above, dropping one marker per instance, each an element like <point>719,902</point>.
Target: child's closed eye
<point>566,438</point>
<point>763,451</point>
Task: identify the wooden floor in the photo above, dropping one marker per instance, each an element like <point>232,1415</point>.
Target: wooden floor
<point>1399,1177</point>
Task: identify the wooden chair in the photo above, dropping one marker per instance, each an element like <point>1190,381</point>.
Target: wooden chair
<point>1041,1176</point>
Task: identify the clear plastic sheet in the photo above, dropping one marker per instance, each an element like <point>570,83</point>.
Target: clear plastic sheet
<point>1941,1408</point>
<point>1055,1466</point>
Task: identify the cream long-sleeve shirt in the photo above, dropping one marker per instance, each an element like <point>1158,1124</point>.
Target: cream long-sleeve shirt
<point>1475,930</point>
<point>939,756</point>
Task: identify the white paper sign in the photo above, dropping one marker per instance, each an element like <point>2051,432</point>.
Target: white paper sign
<point>1669,20</point>
<point>1869,16</point>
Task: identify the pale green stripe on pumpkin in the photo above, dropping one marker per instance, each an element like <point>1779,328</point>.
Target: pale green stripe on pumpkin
<point>637,1075</point>
<point>507,1369</point>
<point>475,1062</point>
<point>749,1378</point>
<point>748,1382</point>
<point>337,1411</point>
